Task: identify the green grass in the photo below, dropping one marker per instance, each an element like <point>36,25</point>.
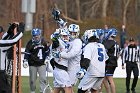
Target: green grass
<point>119,82</point>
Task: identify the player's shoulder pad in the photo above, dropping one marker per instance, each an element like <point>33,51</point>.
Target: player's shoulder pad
<point>77,40</point>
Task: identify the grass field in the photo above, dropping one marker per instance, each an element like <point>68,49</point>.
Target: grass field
<point>119,82</point>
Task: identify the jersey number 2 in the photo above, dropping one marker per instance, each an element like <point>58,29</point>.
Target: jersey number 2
<point>100,54</point>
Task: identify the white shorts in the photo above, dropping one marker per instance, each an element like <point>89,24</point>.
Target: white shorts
<point>72,74</point>
<point>61,78</point>
<point>90,83</point>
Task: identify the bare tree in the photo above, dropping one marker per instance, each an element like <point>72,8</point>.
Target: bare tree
<point>91,7</point>
<point>65,5</point>
<point>78,10</point>
<point>104,8</point>
<point>126,3</point>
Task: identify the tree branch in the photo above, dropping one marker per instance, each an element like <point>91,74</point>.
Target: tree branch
<point>70,19</point>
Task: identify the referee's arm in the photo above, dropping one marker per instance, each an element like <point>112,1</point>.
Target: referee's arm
<point>124,56</point>
<point>10,42</point>
<point>139,55</point>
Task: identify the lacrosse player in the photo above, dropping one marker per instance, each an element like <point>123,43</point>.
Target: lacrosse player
<point>102,34</point>
<point>93,61</point>
<point>61,76</point>
<point>74,53</point>
<point>8,39</point>
<point>36,55</point>
<point>113,50</point>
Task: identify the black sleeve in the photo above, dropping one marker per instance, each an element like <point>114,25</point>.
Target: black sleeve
<point>52,62</point>
<point>12,41</point>
<point>108,44</point>
<point>55,43</point>
<point>27,53</point>
<point>6,37</point>
<point>84,63</point>
<point>47,45</point>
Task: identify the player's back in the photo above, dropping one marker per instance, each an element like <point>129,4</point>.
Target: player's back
<point>112,50</point>
<point>97,54</point>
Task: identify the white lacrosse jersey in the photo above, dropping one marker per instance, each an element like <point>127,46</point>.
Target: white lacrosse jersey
<point>74,53</point>
<point>97,55</point>
<point>74,56</point>
<point>63,46</point>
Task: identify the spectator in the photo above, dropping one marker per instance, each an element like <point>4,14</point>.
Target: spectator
<point>123,36</point>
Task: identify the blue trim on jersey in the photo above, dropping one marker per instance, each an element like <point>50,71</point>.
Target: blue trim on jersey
<point>66,44</point>
<point>108,74</point>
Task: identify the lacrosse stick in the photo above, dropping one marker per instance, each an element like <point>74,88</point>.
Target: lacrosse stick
<point>48,88</point>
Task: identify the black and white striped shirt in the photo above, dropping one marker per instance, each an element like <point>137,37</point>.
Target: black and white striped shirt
<point>5,45</point>
<point>131,54</point>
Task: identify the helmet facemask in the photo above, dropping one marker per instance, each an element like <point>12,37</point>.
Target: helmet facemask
<point>74,31</point>
<point>74,35</point>
<point>64,35</point>
<point>65,38</point>
<point>36,39</point>
<point>36,36</point>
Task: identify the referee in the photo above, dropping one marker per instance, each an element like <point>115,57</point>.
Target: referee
<point>8,39</point>
<point>131,56</point>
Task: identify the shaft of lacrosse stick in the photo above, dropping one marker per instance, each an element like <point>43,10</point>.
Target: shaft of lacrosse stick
<point>48,88</point>
<point>47,74</point>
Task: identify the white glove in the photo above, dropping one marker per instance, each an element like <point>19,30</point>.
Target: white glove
<point>25,63</point>
<point>46,61</point>
<point>81,73</point>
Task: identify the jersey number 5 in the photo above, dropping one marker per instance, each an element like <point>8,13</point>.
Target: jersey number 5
<point>100,54</point>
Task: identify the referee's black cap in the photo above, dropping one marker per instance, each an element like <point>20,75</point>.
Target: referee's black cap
<point>1,29</point>
<point>131,39</point>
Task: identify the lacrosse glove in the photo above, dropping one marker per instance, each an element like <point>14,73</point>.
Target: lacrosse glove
<point>25,63</point>
<point>81,73</point>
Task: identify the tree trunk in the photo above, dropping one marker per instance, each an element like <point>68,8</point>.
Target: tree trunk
<point>65,5</point>
<point>126,3</point>
<point>104,12</point>
<point>78,10</point>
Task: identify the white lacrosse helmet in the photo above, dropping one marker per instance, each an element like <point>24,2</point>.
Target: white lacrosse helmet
<point>90,33</point>
<point>64,34</point>
<point>74,28</point>
<point>93,33</point>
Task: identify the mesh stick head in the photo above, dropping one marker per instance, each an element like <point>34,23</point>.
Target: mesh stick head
<point>48,89</point>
